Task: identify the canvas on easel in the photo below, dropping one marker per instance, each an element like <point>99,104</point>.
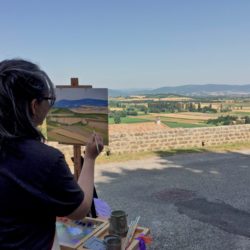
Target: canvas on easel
<point>77,113</point>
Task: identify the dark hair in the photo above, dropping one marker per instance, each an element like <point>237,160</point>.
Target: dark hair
<point>20,82</point>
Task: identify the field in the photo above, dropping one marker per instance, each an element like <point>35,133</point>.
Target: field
<point>178,120</point>
<point>130,119</point>
<point>179,115</point>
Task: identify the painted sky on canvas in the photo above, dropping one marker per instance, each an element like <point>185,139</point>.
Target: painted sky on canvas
<point>132,43</point>
<point>81,93</point>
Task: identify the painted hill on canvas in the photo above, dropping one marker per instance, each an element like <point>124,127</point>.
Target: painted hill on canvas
<point>82,102</point>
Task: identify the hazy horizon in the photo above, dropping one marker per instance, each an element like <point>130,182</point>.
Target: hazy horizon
<point>232,84</point>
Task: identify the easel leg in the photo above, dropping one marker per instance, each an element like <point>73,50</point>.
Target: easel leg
<point>77,161</point>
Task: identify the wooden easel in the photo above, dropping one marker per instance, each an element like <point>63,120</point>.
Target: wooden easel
<point>77,158</point>
<point>76,147</point>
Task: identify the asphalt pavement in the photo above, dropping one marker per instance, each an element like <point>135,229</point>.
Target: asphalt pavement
<point>197,201</point>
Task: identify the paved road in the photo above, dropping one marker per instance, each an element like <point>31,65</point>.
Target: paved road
<point>189,201</point>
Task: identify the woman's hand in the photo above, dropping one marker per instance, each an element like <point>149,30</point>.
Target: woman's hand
<point>94,147</point>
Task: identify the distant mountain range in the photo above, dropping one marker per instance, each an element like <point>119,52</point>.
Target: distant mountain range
<point>82,102</point>
<point>189,90</point>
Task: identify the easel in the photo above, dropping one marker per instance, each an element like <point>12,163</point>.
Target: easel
<point>77,158</point>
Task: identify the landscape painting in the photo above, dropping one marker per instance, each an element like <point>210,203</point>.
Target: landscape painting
<point>77,113</point>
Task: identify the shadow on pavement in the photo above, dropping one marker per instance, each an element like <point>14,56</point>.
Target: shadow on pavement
<point>189,201</point>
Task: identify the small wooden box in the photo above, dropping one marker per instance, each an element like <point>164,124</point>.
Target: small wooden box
<point>71,234</point>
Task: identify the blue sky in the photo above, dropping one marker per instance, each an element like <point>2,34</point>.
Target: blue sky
<point>131,43</point>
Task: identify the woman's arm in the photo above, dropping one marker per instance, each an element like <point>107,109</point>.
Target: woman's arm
<point>86,178</point>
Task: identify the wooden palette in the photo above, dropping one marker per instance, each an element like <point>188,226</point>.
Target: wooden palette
<point>71,234</point>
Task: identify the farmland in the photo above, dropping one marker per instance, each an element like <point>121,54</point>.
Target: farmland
<point>178,111</point>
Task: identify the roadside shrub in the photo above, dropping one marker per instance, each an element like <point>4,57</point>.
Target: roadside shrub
<point>224,120</point>
<point>117,119</point>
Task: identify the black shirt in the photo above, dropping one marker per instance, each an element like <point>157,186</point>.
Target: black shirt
<point>36,185</point>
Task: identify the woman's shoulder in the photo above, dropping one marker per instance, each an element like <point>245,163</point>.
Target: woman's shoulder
<point>40,149</point>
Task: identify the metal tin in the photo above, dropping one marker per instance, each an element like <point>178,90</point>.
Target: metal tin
<point>118,223</point>
<point>113,242</point>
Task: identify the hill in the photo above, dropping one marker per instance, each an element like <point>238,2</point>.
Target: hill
<point>190,90</point>
<point>81,102</point>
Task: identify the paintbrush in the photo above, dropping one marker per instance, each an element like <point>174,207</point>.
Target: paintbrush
<point>97,147</point>
<point>130,233</point>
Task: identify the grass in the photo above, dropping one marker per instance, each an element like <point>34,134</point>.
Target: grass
<point>184,125</point>
<point>142,155</point>
<point>240,113</point>
<point>129,120</point>
<point>171,124</point>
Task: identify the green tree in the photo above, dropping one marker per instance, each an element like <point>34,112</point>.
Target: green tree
<point>117,119</point>
<point>199,107</point>
<point>247,119</point>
